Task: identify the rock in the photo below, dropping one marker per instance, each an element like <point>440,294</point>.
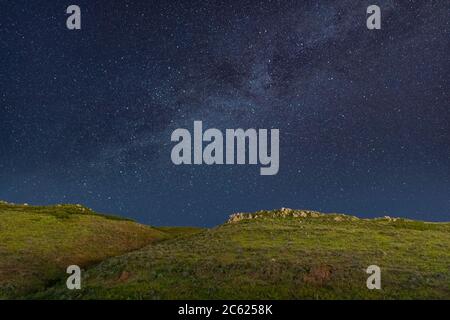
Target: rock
<point>125,275</point>
<point>235,218</point>
<point>318,275</point>
<point>390,219</point>
<point>284,213</point>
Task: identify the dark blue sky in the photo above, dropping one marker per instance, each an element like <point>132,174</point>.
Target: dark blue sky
<point>86,116</point>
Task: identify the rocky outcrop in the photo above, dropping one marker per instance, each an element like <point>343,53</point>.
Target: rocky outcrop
<point>293,213</point>
<point>281,213</point>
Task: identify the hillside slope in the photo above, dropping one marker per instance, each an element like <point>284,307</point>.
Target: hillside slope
<point>284,254</point>
<point>38,243</point>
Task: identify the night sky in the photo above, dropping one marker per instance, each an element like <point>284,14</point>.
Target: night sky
<point>86,116</point>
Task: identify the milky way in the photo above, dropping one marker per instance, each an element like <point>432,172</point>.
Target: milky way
<point>86,116</point>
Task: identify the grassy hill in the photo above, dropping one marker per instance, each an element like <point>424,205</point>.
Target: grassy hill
<point>283,254</point>
<point>38,243</point>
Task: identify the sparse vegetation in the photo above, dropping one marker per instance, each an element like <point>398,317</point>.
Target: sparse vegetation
<point>38,243</point>
<point>282,254</point>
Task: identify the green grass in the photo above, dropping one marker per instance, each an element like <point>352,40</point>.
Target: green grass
<point>180,231</point>
<point>38,243</point>
<point>283,254</point>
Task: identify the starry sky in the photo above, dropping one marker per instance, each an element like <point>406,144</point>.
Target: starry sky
<point>86,116</point>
